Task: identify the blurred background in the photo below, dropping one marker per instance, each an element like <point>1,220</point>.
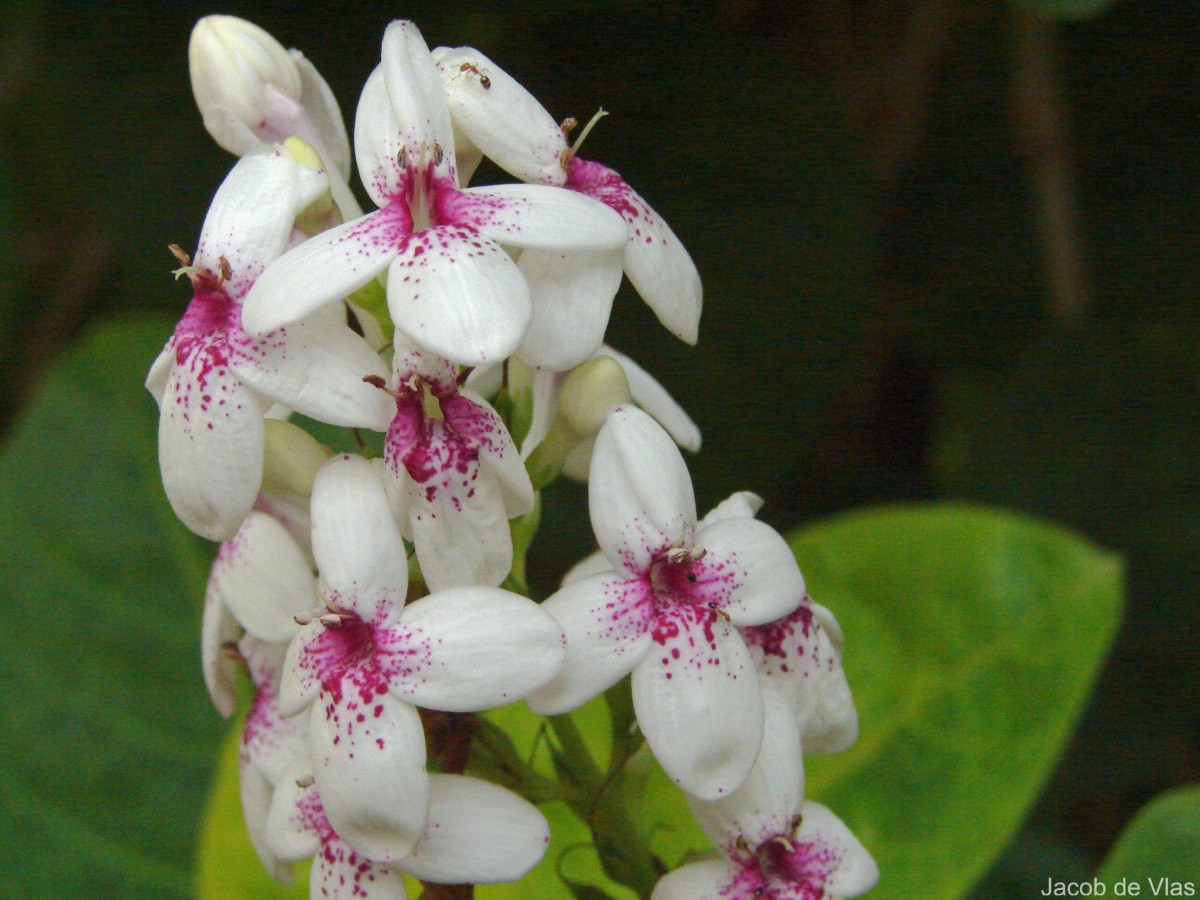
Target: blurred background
<point>950,250</point>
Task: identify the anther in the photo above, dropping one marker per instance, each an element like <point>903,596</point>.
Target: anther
<point>180,255</point>
<point>306,781</point>
<point>378,382</point>
<point>230,651</point>
<point>226,269</point>
<point>782,842</point>
<point>720,612</point>
<point>567,125</point>
<point>568,155</point>
<point>332,620</point>
<point>402,158</point>
<point>302,618</point>
<point>438,155</point>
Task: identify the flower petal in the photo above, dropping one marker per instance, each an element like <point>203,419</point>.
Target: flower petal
<point>749,571</point>
<point>473,417</point>
<point>378,140</point>
<point>799,657</point>
<point>738,505</point>
<point>572,299</point>
<point>160,371</point>
<point>826,845</point>
<point>482,648</point>
<point>770,796</point>
<point>218,629</point>
<point>325,269</point>
<point>592,564</point>
<point>639,494</point>
<point>456,293</point>
<point>654,399</point>
<point>655,260</point>
<point>340,872</point>
<point>250,219</point>
<point>210,442</point>
<point>698,703</point>
<point>711,879</point>
<point>415,90</point>
<point>457,518</point>
<point>262,576</point>
<point>535,216</point>
<point>500,117</point>
<point>256,793</point>
<point>369,764</point>
<point>324,114</point>
<point>291,836</point>
<point>356,541</point>
<point>477,833</point>
<point>607,620</point>
<point>316,367</point>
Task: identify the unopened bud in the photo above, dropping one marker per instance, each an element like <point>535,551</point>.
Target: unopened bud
<point>291,458</point>
<point>591,391</point>
<point>243,80</point>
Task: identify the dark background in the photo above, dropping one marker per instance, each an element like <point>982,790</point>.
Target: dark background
<point>949,250</point>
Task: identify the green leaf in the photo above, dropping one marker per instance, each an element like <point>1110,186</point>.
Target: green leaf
<point>106,732</point>
<point>972,639</point>
<point>1162,842</point>
<point>1070,10</point>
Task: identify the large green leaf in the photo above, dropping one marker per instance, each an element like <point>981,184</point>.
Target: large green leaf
<point>106,733</point>
<point>1160,847</point>
<point>972,640</point>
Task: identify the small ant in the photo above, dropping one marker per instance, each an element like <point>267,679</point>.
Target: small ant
<point>474,70</point>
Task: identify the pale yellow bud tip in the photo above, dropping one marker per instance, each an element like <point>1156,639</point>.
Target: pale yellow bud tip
<point>291,459</point>
<point>591,391</point>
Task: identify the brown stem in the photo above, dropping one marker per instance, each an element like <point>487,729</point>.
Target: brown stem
<point>1041,123</point>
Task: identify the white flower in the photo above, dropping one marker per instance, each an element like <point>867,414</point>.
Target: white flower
<point>476,833</point>
<point>252,92</point>
<point>452,289</point>
<point>213,382</point>
<point>800,656</point>
<point>776,845</point>
<point>669,608</point>
<point>505,122</point>
<point>455,474</point>
<point>367,660</point>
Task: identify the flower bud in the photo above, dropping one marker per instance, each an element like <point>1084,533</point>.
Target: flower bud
<point>244,81</point>
<point>291,459</point>
<point>591,391</point>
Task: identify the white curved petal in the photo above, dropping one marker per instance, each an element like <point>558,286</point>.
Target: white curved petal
<point>218,629</point>
<point>458,524</point>
<point>250,220</point>
<point>160,371</point>
<point>324,114</point>
<point>325,269</point>
<point>749,571</point>
<point>710,879</point>
<point>369,764</point>
<point>356,541</point>
<point>770,796</point>
<point>416,94</point>
<point>340,872</point>
<point>738,505</point>
<point>262,576</point>
<point>655,261</point>
<point>639,492</point>
<point>826,844</point>
<point>797,657</point>
<point>698,703</point>
<point>210,442</point>
<point>300,680</point>
<point>481,648</point>
<point>477,833</point>
<point>654,399</point>
<point>487,380</point>
<point>572,299</point>
<point>316,367</point>
<point>458,294</point>
<point>592,564</point>
<point>607,620</point>
<point>500,117</point>
<point>544,401</point>
<point>378,142</point>
<point>534,216</point>
<point>473,417</point>
<point>290,833</point>
<point>256,793</point>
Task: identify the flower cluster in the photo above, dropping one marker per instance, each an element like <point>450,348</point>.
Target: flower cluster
<point>365,594</point>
